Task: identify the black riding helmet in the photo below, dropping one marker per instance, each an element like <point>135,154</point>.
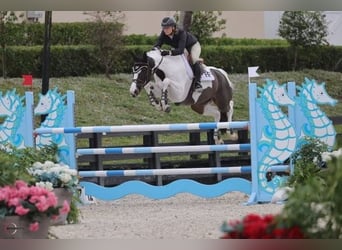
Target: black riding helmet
<point>168,21</point>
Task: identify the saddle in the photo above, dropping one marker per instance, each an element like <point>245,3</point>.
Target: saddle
<point>205,72</point>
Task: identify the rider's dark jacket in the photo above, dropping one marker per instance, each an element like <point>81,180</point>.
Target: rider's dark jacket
<point>181,40</point>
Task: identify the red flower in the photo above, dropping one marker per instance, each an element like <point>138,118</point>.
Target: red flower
<point>254,226</point>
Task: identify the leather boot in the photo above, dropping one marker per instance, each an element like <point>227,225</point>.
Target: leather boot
<point>197,76</point>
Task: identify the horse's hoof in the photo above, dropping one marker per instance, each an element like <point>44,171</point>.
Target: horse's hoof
<point>167,109</point>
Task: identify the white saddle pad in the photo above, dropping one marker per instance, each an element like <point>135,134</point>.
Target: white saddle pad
<point>206,75</point>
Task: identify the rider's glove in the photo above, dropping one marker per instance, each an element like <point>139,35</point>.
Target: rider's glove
<point>166,53</point>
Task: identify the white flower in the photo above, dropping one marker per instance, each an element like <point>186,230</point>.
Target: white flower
<point>47,185</point>
<point>49,164</point>
<point>70,171</point>
<point>37,165</point>
<point>59,175</point>
<point>65,178</point>
<point>328,156</point>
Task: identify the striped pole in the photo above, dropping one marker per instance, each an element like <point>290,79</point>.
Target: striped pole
<point>145,128</point>
<point>178,171</point>
<point>163,149</point>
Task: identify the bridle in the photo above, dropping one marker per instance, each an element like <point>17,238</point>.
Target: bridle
<point>150,71</point>
<point>138,69</point>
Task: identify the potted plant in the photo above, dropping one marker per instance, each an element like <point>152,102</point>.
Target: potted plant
<point>26,211</point>
<point>60,179</point>
<point>34,165</point>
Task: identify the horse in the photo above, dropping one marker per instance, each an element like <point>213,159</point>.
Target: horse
<point>173,83</point>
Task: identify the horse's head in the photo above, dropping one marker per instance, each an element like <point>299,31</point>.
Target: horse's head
<point>142,72</point>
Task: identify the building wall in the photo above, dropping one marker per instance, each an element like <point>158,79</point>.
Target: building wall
<point>239,24</point>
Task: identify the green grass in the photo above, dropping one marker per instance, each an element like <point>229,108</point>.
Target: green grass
<point>100,101</point>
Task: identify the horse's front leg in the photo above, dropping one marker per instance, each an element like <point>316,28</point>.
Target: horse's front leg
<point>151,97</point>
<point>164,102</point>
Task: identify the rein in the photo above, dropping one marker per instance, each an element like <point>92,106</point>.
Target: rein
<point>154,69</point>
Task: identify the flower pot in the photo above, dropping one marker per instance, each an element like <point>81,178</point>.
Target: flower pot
<point>17,227</point>
<point>62,195</point>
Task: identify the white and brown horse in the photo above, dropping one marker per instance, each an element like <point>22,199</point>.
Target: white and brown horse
<point>172,83</point>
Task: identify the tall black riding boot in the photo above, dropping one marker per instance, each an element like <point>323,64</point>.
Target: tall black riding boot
<point>197,76</point>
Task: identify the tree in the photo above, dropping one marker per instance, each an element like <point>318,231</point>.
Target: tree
<point>106,34</point>
<point>303,29</point>
<point>185,19</point>
<point>7,18</point>
<point>202,24</point>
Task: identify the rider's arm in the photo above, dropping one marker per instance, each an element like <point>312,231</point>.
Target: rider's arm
<point>181,44</point>
<point>160,40</point>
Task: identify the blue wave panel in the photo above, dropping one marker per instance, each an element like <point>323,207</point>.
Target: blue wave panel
<point>166,191</point>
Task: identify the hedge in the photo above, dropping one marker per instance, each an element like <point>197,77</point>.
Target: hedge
<point>32,34</point>
<point>81,60</point>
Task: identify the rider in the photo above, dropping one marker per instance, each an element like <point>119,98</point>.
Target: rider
<point>180,40</point>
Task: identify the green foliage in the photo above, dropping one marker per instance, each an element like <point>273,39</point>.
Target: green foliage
<point>11,170</point>
<point>205,23</point>
<point>27,156</point>
<point>231,54</point>
<point>233,59</point>
<point>138,39</point>
<point>14,163</point>
<point>228,41</point>
<point>316,205</point>
<point>7,18</point>
<point>7,30</point>
<point>308,162</point>
<point>106,34</point>
<point>303,28</point>
<point>74,213</point>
